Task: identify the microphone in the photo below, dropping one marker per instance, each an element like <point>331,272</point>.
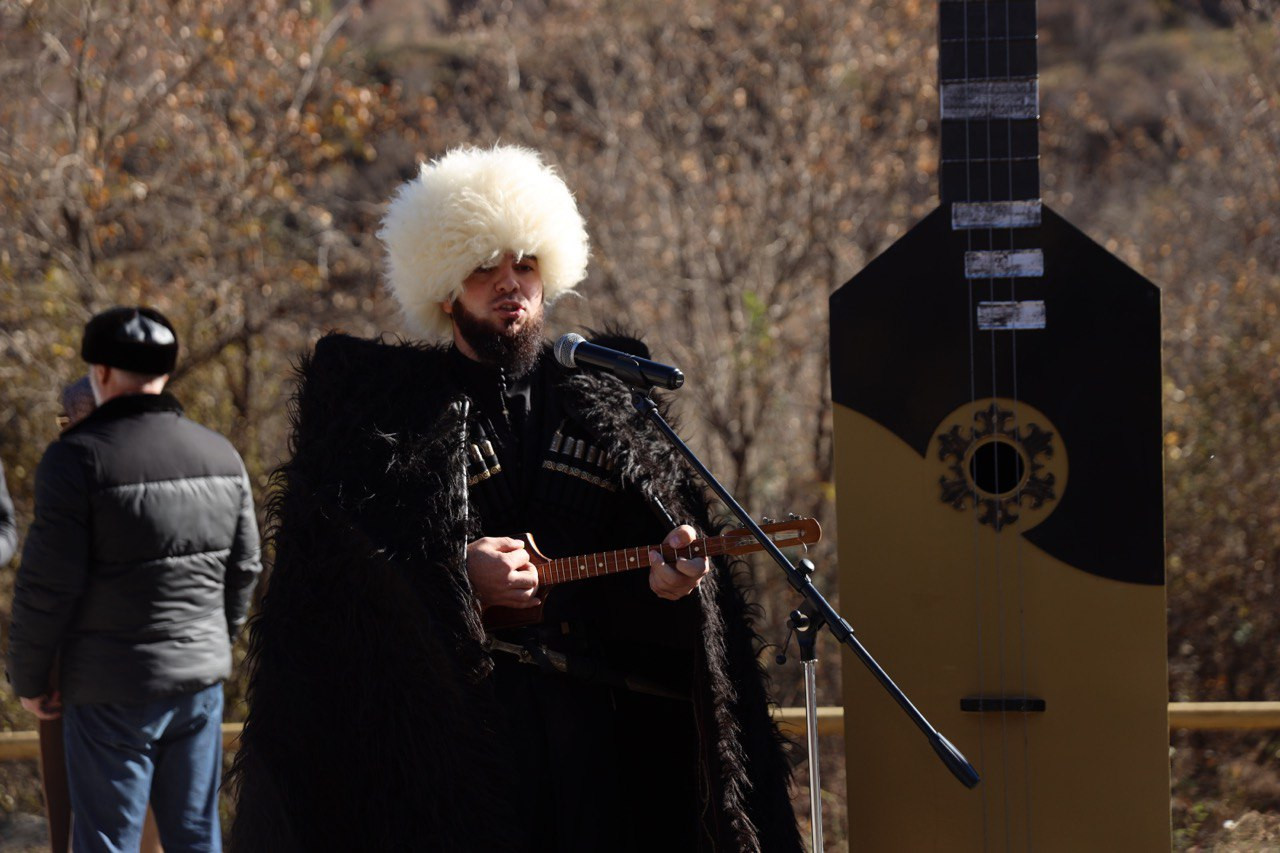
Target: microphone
<point>573,350</point>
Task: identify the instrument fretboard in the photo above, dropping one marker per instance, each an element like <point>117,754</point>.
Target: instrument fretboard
<point>564,569</point>
<point>989,101</point>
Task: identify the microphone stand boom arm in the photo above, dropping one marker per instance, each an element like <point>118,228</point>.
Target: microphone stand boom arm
<point>818,608</point>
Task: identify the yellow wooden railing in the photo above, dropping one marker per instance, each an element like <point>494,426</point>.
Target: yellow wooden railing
<point>20,746</point>
<point>1182,715</point>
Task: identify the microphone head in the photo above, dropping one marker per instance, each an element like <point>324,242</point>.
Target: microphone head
<point>565,346</point>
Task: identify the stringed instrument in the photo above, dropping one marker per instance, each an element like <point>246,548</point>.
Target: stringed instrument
<point>996,382</point>
<point>562,570</point>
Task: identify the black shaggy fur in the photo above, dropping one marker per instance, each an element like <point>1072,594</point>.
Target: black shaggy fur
<point>370,715</point>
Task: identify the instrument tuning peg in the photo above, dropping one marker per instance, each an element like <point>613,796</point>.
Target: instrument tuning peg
<point>793,516</point>
<point>764,519</point>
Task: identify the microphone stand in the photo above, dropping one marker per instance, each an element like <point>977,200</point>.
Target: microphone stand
<point>815,612</point>
<point>806,624</point>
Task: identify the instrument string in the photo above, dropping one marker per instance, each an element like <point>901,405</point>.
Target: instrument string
<point>997,567</point>
<point>1017,541</point>
<point>973,394</point>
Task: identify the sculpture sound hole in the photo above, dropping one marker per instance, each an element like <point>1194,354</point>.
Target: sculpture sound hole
<point>996,467</point>
<point>995,463</point>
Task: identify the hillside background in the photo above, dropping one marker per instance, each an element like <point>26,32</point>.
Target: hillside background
<point>737,161</point>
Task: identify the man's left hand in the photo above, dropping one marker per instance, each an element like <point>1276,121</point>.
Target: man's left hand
<point>675,581</point>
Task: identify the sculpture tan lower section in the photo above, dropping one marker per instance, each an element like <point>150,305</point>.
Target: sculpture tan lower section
<point>956,610</point>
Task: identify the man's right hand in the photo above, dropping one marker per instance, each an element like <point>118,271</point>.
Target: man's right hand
<point>47,706</point>
<point>501,573</point>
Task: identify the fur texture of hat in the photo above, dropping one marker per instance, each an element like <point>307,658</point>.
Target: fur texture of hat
<point>464,211</point>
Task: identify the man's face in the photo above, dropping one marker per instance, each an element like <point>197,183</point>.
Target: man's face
<point>498,318</point>
<point>505,296</point>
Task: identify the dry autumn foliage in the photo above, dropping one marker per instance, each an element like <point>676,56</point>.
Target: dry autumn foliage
<point>227,161</point>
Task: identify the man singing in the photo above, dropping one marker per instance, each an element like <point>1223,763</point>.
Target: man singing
<point>631,714</point>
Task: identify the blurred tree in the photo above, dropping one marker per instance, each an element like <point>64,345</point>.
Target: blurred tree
<point>1170,152</point>
<point>191,156</point>
<point>227,161</point>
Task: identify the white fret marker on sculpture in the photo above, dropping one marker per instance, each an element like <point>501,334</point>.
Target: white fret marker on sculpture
<point>995,214</point>
<point>1004,263</point>
<point>997,316</point>
<point>986,99</point>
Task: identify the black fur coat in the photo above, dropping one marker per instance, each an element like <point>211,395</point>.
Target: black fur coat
<point>370,708</point>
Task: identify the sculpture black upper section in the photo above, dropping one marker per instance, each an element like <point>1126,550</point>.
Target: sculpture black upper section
<point>906,351</point>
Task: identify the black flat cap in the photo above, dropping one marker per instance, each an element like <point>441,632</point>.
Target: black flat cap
<point>139,340</point>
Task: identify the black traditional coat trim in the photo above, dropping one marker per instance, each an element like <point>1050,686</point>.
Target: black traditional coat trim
<point>368,702</point>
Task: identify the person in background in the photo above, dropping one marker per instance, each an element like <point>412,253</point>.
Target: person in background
<point>77,403</point>
<point>136,574</point>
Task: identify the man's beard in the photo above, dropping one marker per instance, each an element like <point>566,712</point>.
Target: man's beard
<point>515,352</point>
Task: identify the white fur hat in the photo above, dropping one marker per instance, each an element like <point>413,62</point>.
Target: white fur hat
<point>465,210</point>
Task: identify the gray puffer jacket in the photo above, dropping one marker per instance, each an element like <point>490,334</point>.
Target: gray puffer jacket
<point>141,561</point>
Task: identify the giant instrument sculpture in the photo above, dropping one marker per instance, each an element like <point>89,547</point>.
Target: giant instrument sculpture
<point>996,379</point>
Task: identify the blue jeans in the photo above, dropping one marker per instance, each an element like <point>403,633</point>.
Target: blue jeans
<point>168,751</point>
